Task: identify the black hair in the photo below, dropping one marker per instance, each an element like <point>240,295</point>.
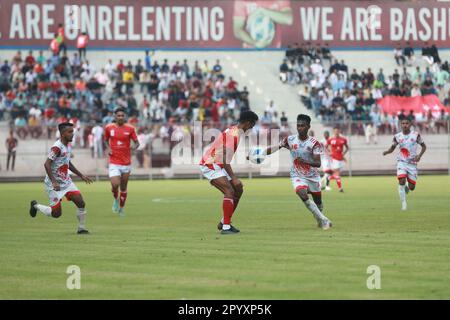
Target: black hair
<point>64,125</point>
<point>304,117</point>
<point>120,109</point>
<point>248,116</point>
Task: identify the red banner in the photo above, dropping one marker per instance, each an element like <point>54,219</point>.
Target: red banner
<point>418,104</point>
<point>225,24</point>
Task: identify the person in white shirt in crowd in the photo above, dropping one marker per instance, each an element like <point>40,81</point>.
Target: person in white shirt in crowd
<point>110,69</point>
<point>399,57</point>
<point>350,101</point>
<point>316,68</point>
<point>415,91</point>
<point>102,77</point>
<point>87,66</point>
<point>35,112</point>
<point>272,111</point>
<point>97,133</point>
<point>370,131</point>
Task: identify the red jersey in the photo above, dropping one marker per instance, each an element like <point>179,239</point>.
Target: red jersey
<point>229,139</point>
<point>119,139</point>
<point>337,147</point>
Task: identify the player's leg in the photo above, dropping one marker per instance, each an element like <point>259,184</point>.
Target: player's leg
<point>301,189</point>
<point>77,198</point>
<point>123,191</point>
<point>238,191</point>
<point>326,179</point>
<point>412,177</point>
<point>114,176</point>
<point>337,177</point>
<point>401,176</point>
<point>53,210</point>
<point>224,186</point>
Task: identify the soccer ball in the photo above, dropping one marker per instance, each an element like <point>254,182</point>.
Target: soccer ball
<point>260,28</point>
<point>257,155</point>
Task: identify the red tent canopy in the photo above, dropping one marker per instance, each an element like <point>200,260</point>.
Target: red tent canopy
<point>418,104</point>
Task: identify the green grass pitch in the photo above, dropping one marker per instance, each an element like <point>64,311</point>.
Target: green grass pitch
<point>168,247</point>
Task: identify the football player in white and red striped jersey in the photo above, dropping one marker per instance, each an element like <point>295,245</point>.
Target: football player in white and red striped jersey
<point>306,160</point>
<point>407,158</point>
<point>58,182</point>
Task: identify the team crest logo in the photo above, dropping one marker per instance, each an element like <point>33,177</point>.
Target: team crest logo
<point>295,146</point>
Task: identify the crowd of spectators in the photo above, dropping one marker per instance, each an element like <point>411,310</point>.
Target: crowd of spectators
<point>39,91</point>
<point>336,93</point>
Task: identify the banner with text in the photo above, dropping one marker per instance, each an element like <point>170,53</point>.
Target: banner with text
<point>225,24</point>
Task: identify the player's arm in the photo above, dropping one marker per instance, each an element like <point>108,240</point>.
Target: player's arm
<point>392,148</point>
<point>346,148</point>
<point>283,144</point>
<point>135,140</point>
<point>78,173</point>
<point>106,137</point>
<point>239,31</point>
<point>284,16</point>
<point>422,151</point>
<point>315,163</point>
<point>227,154</point>
<point>48,170</point>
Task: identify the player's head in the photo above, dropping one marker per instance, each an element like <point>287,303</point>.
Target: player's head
<point>303,124</point>
<point>66,131</point>
<point>119,115</point>
<point>405,124</point>
<point>326,134</point>
<point>336,131</point>
<point>247,120</point>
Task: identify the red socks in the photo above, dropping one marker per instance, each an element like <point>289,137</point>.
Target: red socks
<point>123,198</point>
<point>338,180</point>
<point>228,208</point>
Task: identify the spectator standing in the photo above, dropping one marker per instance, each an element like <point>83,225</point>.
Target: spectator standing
<point>82,42</point>
<point>61,38</point>
<point>97,133</point>
<point>11,146</point>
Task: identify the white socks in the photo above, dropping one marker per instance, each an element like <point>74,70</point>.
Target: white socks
<point>402,193</point>
<point>314,210</point>
<point>44,209</point>
<point>81,215</point>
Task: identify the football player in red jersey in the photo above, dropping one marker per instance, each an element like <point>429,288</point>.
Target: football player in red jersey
<point>118,137</point>
<point>337,147</point>
<point>215,166</point>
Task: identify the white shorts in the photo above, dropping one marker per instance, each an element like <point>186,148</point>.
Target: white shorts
<point>311,184</point>
<point>326,165</point>
<point>116,170</point>
<point>337,164</point>
<point>408,171</point>
<point>55,197</point>
<point>214,173</point>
